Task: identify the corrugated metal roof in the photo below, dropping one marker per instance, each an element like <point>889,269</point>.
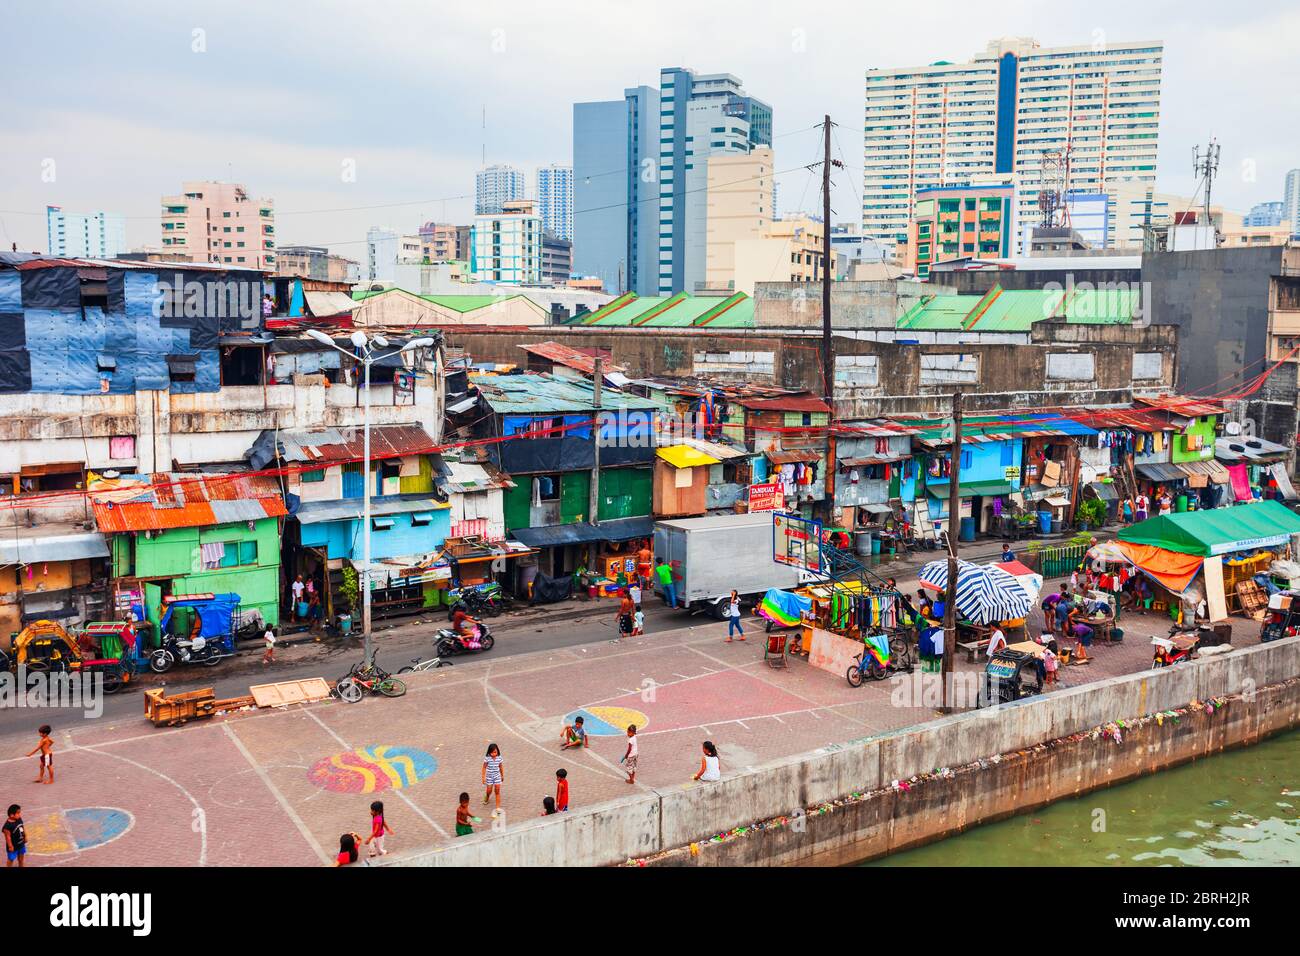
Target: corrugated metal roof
<point>468,477</point>
<point>788,403</point>
<point>348,444</point>
<point>716,449</point>
<point>571,358</point>
<point>938,312</point>
<point>351,509</point>
<point>737,315</point>
<point>63,547</point>
<point>1247,448</point>
<point>183,501</point>
<point>621,529</point>
<point>793,456</point>
<point>535,393</point>
<point>1014,310</point>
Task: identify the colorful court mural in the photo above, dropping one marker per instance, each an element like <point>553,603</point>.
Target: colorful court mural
<point>54,832</point>
<point>371,769</point>
<point>608,721</point>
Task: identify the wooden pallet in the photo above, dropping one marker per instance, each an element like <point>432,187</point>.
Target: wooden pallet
<point>1253,598</point>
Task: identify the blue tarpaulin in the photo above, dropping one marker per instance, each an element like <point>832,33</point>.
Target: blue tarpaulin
<point>216,617</point>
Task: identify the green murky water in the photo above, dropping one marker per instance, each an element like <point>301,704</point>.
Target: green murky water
<point>1237,808</point>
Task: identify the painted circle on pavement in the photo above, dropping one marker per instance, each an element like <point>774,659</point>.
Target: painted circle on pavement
<point>608,721</point>
<point>81,828</point>
<point>373,768</point>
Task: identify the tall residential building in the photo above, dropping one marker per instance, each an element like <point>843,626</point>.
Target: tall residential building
<point>507,246</point>
<point>959,222</point>
<point>1291,197</point>
<point>220,222</point>
<point>1001,112</point>
<point>640,176</point>
<point>738,207</point>
<point>555,199</point>
<point>93,235</point>
<point>1266,214</point>
<point>700,115</point>
<point>494,186</point>
<point>387,251</point>
<point>444,241</point>
<point>616,191</point>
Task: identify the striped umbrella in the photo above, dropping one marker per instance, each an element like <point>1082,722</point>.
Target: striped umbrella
<point>985,595</point>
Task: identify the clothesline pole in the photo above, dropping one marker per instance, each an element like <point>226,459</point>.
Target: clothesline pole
<point>954,521</point>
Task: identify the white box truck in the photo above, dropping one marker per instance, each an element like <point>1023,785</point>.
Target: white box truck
<point>712,556</point>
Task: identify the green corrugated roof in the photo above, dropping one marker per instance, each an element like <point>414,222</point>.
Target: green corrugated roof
<point>1103,306</point>
<point>682,313</point>
<point>939,312</point>
<point>634,310</point>
<point>457,303</point>
<point>623,301</point>
<point>740,315</point>
<point>1016,310</point>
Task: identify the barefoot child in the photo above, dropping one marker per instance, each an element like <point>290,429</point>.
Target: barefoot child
<point>562,790</point>
<point>493,774</point>
<point>638,622</point>
<point>269,640</point>
<point>379,828</point>
<point>464,822</point>
<point>629,758</point>
<point>46,749</point>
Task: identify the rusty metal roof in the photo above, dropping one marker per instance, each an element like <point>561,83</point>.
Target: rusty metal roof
<point>348,444</point>
<point>184,501</point>
<point>570,358</point>
<point>789,403</point>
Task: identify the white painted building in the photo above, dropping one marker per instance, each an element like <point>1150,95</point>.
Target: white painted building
<point>945,123</point>
<point>85,235</point>
<point>507,246</point>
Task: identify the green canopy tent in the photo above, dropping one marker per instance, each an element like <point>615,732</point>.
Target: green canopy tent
<point>1261,524</point>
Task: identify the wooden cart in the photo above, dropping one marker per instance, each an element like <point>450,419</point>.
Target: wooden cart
<point>164,711</point>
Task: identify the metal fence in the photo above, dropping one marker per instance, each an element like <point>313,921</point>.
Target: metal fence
<point>1059,562</point>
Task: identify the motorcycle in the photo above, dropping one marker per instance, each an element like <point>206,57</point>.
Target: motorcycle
<point>448,642</point>
<point>485,599</point>
<point>175,650</point>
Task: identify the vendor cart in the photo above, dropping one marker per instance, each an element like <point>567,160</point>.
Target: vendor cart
<point>1011,674</point>
<point>1282,619</point>
<point>775,648</point>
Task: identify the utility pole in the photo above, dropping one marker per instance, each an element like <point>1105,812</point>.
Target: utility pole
<point>593,501</point>
<point>954,522</point>
<point>828,360</point>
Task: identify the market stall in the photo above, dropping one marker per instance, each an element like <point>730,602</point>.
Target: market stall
<point>1215,554</point>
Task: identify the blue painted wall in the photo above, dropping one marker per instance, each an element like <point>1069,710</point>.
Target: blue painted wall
<point>345,538</point>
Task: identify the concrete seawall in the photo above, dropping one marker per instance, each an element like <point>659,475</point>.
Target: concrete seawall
<point>1260,682</point>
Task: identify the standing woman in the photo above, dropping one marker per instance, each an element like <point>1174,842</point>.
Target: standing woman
<point>493,774</point>
<point>710,771</point>
<point>733,617</point>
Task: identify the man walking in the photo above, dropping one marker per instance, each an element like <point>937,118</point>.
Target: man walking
<point>665,574</point>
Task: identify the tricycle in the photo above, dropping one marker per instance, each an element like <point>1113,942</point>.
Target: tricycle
<point>47,647</point>
<point>1010,675</point>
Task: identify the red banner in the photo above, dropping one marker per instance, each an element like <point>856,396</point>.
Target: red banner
<point>765,497</point>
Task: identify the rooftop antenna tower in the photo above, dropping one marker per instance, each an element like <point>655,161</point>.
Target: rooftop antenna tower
<point>1206,165</point>
<point>1052,209</point>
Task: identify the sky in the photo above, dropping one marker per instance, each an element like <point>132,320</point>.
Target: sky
<point>350,114</point>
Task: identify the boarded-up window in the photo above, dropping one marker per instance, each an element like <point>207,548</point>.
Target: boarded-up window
<point>683,477</point>
<point>1070,366</point>
<point>949,368</point>
<point>857,371</point>
<point>1148,366</point>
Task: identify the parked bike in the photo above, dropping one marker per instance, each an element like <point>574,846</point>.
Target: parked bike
<point>866,666</point>
<point>1179,646</point>
<point>368,679</point>
<point>419,665</point>
<point>175,650</point>
<point>487,599</point>
<point>448,642</point>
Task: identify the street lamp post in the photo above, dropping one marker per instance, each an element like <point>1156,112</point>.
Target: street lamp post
<point>367,356</point>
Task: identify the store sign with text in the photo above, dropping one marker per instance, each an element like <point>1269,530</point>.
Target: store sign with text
<point>765,497</point>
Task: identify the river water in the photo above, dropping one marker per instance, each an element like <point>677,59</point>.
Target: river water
<point>1241,807</point>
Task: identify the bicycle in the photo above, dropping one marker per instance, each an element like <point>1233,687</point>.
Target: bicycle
<point>419,665</point>
<point>352,689</point>
<point>865,665</point>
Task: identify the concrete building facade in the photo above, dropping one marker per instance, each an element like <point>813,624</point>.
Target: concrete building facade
<point>316,262</point>
<point>738,207</point>
<point>92,235</point>
<point>220,222</point>
<point>507,246</point>
<point>496,185</point>
<point>555,199</point>
<point>1000,113</point>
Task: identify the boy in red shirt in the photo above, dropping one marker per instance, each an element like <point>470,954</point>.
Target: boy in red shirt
<point>561,789</point>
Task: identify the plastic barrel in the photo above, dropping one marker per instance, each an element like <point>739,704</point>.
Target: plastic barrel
<point>862,542</point>
<point>875,545</point>
<point>1045,522</point>
<point>1180,503</point>
<point>1057,524</point>
<point>345,623</point>
<point>967,532</point>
